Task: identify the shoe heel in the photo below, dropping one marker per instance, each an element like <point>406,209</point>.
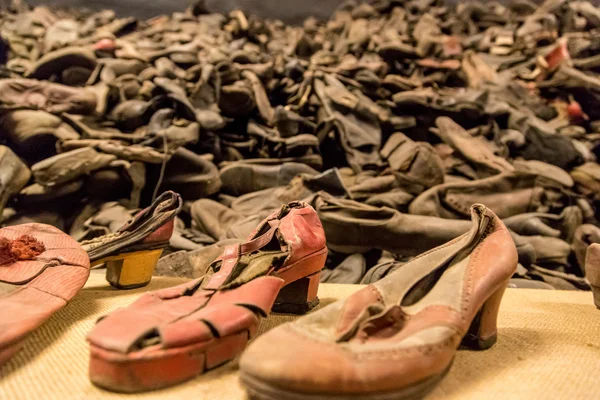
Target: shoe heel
<point>298,297</point>
<point>483,332</point>
<point>132,270</point>
<point>596,293</point>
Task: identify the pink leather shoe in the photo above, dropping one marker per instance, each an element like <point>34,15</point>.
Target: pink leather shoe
<point>131,254</point>
<point>175,334</point>
<point>41,269</point>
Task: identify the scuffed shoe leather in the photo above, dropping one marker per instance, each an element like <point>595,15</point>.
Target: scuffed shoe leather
<point>41,95</point>
<point>508,194</point>
<point>415,165</point>
<point>151,228</point>
<point>396,336</point>
<point>48,271</point>
<point>67,166</point>
<point>240,178</point>
<point>215,315</point>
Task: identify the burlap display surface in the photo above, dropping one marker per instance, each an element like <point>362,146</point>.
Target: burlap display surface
<point>548,348</point>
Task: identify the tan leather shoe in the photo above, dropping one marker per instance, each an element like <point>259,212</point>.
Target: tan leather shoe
<point>394,339</point>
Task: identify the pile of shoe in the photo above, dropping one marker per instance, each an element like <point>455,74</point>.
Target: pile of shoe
<point>391,119</point>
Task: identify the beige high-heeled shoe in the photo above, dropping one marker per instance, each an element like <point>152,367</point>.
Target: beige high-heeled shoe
<point>396,338</point>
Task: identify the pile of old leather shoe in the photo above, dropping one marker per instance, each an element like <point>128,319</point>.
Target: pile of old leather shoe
<point>391,119</point>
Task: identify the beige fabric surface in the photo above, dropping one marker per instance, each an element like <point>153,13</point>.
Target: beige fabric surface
<point>548,348</point>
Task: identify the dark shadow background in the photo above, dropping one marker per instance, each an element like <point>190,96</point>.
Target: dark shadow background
<point>290,11</point>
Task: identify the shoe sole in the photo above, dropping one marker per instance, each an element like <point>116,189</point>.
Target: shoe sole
<point>260,390</point>
<point>164,368</point>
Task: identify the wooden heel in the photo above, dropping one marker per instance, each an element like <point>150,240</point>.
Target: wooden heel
<point>483,332</point>
<point>299,297</point>
<point>131,270</point>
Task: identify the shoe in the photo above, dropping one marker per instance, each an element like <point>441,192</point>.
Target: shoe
<point>315,161</point>
<point>558,226</point>
<point>41,269</point>
<point>33,134</point>
<point>43,196</point>
<point>353,227</point>
<point>66,167</point>
<point>349,272</point>
<point>42,95</point>
<point>191,175</point>
<point>592,271</point>
<point>299,188</point>
<point>128,182</point>
<point>587,179</point>
<point>352,120</point>
<point>58,63</point>
<point>192,264</point>
<point>507,194</point>
<point>240,178</point>
<point>544,169</point>
<point>394,339</point>
<point>14,175</point>
<point>415,165</point>
<point>550,252</point>
<point>175,334</point>
<point>265,142</point>
<point>474,151</point>
<point>131,253</point>
<point>237,100</point>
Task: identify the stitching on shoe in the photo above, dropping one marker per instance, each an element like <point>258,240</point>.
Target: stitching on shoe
<point>384,354</point>
<point>399,354</point>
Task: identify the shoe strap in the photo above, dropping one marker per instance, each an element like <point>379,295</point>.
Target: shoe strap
<point>232,255</point>
<point>262,240</point>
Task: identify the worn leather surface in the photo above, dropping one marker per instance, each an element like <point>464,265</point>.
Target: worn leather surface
<point>32,132</point>
<point>415,165</point>
<point>191,175</point>
<point>507,194</point>
<point>240,178</point>
<point>32,290</point>
<point>372,342</point>
<point>207,312</point>
<point>474,150</point>
<point>65,167</point>
<point>153,225</point>
<point>353,227</point>
<point>545,224</point>
<point>51,97</point>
